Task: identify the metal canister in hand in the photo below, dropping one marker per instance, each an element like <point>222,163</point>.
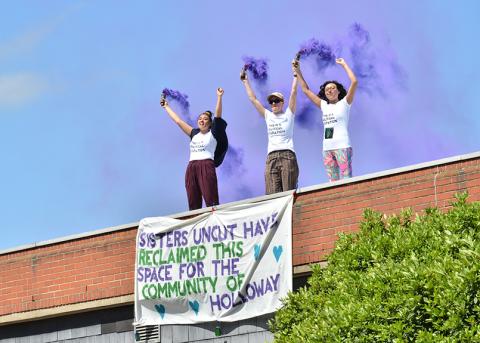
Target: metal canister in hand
<point>163,98</point>
<point>297,59</point>
<point>296,63</point>
<point>243,74</point>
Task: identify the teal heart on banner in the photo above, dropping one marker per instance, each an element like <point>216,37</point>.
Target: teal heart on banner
<point>195,306</point>
<point>256,252</point>
<point>277,251</point>
<point>160,309</point>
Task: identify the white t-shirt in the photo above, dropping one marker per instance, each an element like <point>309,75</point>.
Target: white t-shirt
<point>335,125</point>
<point>280,130</point>
<point>202,145</point>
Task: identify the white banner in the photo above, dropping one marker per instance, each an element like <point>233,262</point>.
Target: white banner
<point>226,265</point>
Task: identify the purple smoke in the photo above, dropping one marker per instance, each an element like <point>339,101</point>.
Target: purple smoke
<point>258,68</point>
<point>233,168</point>
<point>399,75</point>
<point>181,98</point>
<point>380,77</point>
<point>323,53</point>
<point>377,70</point>
<point>375,67</point>
<point>363,59</point>
<point>306,115</point>
<point>233,163</point>
<point>360,34</point>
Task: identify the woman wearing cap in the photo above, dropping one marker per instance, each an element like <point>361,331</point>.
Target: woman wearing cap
<point>205,141</point>
<point>334,101</point>
<point>281,168</point>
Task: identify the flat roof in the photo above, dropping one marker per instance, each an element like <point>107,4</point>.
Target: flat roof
<point>301,190</point>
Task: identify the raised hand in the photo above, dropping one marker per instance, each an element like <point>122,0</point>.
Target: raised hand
<point>352,77</point>
<point>243,74</point>
<point>220,91</point>
<point>163,102</point>
<point>295,67</point>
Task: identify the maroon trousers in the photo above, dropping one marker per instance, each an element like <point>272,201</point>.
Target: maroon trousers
<point>201,181</point>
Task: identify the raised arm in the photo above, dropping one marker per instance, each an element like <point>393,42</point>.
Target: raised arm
<point>353,80</point>
<point>218,108</point>
<point>303,84</point>
<point>184,126</point>
<point>292,102</point>
<point>251,94</point>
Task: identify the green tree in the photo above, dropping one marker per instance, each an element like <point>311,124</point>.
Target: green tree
<point>397,280</point>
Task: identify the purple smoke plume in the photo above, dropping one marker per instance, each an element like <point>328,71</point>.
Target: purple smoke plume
<point>377,70</point>
<point>233,163</point>
<point>360,34</point>
<point>306,114</point>
<point>363,59</point>
<point>323,53</point>
<point>258,68</point>
<point>181,98</point>
<point>233,168</point>
<point>375,67</point>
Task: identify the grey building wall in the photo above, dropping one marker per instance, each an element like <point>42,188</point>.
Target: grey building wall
<point>110,325</point>
<point>114,325</point>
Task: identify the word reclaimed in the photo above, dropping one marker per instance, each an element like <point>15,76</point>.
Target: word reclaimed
<point>228,265</point>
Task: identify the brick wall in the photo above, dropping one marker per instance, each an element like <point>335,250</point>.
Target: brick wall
<point>319,215</point>
<point>101,266</point>
<point>92,268</point>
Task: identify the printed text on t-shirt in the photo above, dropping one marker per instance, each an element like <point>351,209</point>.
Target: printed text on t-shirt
<point>275,129</point>
<point>329,119</point>
<point>197,146</point>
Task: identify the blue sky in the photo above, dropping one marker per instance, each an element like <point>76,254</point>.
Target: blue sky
<point>86,146</point>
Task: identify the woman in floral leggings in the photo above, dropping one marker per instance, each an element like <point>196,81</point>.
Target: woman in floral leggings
<point>335,102</point>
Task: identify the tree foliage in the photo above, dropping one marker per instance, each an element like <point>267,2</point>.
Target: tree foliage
<point>399,279</point>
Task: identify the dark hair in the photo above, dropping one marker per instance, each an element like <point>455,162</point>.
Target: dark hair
<point>341,91</point>
<point>207,113</point>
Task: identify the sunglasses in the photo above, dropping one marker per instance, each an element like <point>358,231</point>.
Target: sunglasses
<point>275,101</point>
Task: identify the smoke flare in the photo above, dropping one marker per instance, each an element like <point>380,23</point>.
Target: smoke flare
<point>323,53</point>
<point>257,66</point>
<point>181,98</point>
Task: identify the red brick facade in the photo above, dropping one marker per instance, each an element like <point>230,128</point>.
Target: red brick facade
<point>320,215</point>
<point>101,266</point>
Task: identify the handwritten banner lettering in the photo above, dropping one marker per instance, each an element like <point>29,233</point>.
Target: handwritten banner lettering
<point>227,265</point>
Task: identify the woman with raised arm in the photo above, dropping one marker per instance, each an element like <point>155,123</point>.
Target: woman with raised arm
<point>335,102</point>
<point>208,145</point>
<point>281,168</point>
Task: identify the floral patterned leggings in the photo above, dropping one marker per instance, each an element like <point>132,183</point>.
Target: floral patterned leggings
<point>338,163</point>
